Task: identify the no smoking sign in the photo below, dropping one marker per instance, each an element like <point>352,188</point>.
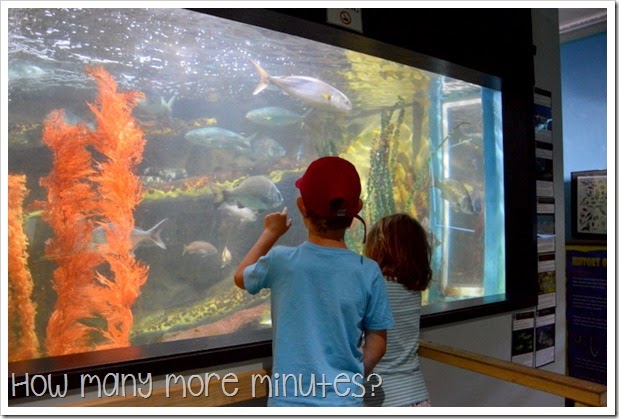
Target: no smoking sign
<point>347,18</point>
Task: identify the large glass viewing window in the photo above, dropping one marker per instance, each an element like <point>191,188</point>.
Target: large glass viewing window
<point>228,116</point>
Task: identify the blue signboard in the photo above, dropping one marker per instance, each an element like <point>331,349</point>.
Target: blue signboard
<point>586,312</point>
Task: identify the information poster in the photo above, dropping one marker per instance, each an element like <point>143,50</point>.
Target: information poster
<point>523,338</point>
<point>546,205</point>
<point>545,336</point>
<point>546,281</point>
<point>589,207</point>
<point>533,333</point>
<point>586,312</point>
<point>546,234</point>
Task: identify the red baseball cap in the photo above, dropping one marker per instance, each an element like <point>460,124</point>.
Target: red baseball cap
<point>327,179</point>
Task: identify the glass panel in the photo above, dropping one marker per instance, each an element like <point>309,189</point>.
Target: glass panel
<point>134,210</point>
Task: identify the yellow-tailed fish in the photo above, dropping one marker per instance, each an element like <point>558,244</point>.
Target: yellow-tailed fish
<point>312,91</point>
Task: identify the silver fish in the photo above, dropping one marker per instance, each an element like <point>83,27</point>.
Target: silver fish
<point>457,195</point>
<point>156,106</point>
<point>300,152</point>
<point>72,119</point>
<point>138,236</point>
<point>226,257</point>
<point>256,192</point>
<point>201,248</point>
<point>24,70</point>
<point>309,90</point>
<point>274,116</point>
<point>241,214</point>
<point>215,137</point>
<point>266,148</point>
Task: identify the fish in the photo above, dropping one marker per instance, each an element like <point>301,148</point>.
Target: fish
<point>200,247</point>
<point>156,106</point>
<point>311,91</point>
<point>215,137</point>
<point>24,70</point>
<point>166,175</point>
<point>265,318</point>
<point>478,201</point>
<point>266,148</point>
<point>300,152</point>
<point>242,214</point>
<point>256,192</point>
<point>72,119</point>
<point>138,236</point>
<point>544,125</point>
<point>457,195</point>
<point>226,257</point>
<point>274,116</point>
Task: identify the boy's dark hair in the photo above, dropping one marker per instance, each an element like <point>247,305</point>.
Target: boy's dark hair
<point>324,224</point>
<point>399,244</point>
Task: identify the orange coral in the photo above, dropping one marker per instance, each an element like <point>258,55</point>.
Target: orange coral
<point>96,284</point>
<point>23,342</point>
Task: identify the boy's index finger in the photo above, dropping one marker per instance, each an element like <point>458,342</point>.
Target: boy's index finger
<point>285,211</point>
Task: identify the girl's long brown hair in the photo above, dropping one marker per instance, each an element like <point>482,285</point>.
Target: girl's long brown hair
<point>400,246</point>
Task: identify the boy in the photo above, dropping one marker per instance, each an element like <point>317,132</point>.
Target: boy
<point>325,299</point>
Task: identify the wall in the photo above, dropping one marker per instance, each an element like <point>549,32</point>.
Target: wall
<point>451,386</point>
<point>584,86</point>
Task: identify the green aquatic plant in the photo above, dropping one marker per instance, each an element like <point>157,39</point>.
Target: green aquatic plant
<point>422,178</point>
<point>215,307</point>
<point>449,135</point>
<point>327,148</point>
<point>199,187</point>
<point>154,194</point>
<point>380,197</point>
<point>396,134</point>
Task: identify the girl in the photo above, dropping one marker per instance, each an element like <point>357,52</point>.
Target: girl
<point>400,246</point>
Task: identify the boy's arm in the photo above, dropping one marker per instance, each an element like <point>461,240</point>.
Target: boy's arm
<point>374,349</point>
<point>275,225</point>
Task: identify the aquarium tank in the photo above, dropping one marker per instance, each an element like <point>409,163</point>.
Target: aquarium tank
<point>145,146</point>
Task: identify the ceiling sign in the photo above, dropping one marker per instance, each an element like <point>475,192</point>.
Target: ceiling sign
<point>348,18</point>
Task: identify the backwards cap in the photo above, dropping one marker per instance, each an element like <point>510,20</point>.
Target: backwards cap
<point>328,179</point>
<point>331,187</point>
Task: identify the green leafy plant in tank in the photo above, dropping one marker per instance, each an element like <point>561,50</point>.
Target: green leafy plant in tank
<point>382,158</point>
<point>425,176</point>
<point>379,198</point>
<point>197,187</point>
<point>327,148</point>
<point>152,327</point>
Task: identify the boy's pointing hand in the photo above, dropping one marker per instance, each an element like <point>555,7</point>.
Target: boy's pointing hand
<point>277,223</point>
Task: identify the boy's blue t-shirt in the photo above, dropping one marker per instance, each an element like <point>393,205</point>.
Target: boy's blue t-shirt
<point>322,299</point>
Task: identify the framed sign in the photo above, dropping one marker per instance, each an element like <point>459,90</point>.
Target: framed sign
<point>589,203</point>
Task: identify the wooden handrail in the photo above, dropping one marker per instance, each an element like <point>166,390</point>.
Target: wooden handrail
<point>582,392</point>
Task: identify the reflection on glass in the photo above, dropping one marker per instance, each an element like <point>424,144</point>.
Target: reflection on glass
<point>228,117</point>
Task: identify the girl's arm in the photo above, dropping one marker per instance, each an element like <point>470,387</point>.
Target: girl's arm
<point>275,225</point>
<point>374,349</point>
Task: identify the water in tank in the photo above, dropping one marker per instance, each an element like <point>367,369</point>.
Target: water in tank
<point>145,147</point>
